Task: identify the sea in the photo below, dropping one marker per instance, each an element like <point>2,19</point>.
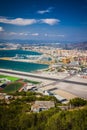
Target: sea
<point>20,66</point>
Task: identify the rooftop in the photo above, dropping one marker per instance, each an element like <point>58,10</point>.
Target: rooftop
<point>42,105</point>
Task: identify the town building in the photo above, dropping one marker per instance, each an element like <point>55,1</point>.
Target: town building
<point>42,105</point>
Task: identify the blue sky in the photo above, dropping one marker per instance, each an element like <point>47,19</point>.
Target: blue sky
<point>64,20</point>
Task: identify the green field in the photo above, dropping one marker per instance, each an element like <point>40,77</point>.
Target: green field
<point>30,81</point>
<point>13,87</point>
<point>9,77</point>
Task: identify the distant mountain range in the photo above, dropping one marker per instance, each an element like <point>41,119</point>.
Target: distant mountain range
<point>60,44</point>
<point>79,46</point>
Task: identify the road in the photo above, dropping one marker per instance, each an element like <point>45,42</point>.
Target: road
<point>42,77</point>
<point>77,88</point>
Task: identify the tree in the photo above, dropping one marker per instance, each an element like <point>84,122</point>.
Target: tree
<point>68,120</point>
<point>78,102</point>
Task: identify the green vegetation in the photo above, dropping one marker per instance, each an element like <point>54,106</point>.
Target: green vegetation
<point>9,77</point>
<point>17,116</point>
<point>30,81</point>
<point>12,87</point>
<point>77,102</point>
<point>68,120</point>
<point>32,96</point>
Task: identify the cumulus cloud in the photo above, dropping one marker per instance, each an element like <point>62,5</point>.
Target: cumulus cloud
<point>50,21</point>
<point>24,22</point>
<point>45,11</point>
<point>1,29</point>
<point>18,21</point>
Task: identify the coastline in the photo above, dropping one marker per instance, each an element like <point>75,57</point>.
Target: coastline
<point>12,62</point>
<point>19,59</point>
<point>22,60</point>
<point>22,66</point>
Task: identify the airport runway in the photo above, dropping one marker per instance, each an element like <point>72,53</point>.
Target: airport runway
<point>42,77</point>
<point>66,84</point>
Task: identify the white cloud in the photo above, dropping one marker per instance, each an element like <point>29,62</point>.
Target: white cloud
<point>46,34</point>
<point>23,22</point>
<point>50,21</point>
<point>13,33</point>
<point>20,34</point>
<point>18,21</point>
<point>1,29</point>
<point>35,34</point>
<point>26,34</point>
<point>45,11</point>
<point>23,34</point>
<point>61,35</point>
<point>54,35</point>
